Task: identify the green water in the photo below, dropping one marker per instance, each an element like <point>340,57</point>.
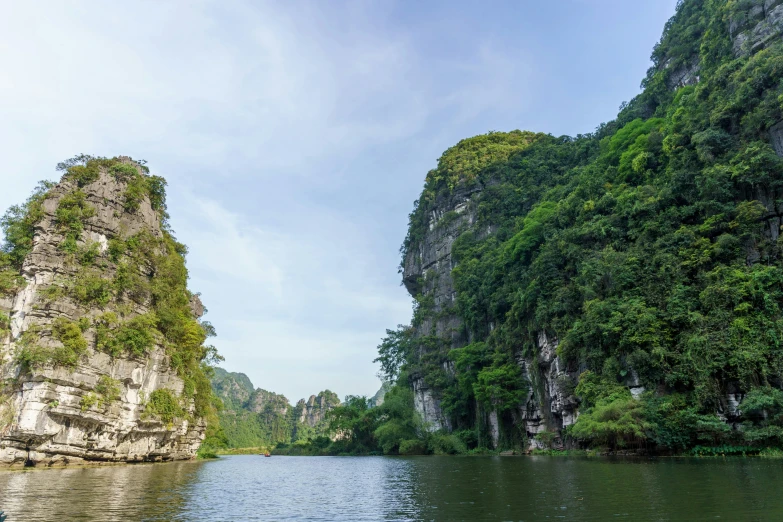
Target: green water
<point>252,487</point>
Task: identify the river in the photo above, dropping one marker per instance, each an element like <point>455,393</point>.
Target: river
<point>250,487</point>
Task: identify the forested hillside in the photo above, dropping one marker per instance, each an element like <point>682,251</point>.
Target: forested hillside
<point>621,289</point>
<point>252,418</point>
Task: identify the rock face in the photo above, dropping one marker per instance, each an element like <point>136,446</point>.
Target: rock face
<point>755,24</point>
<point>427,271</point>
<point>377,399</point>
<point>550,404</point>
<point>262,399</point>
<point>686,74</point>
<point>234,389</point>
<point>60,414</point>
<point>313,412</point>
<point>256,417</point>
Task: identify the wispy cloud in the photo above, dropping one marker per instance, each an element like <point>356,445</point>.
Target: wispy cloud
<point>296,297</point>
<point>294,136</point>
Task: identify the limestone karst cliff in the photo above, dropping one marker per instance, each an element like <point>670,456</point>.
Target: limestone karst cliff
<point>102,354</point>
<point>257,417</point>
<point>616,289</point>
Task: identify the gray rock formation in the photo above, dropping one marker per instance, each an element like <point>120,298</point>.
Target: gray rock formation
<point>313,411</point>
<point>262,399</point>
<point>683,75</point>
<point>427,271</point>
<point>550,404</point>
<point>377,399</point>
<point>755,24</point>
<point>46,415</point>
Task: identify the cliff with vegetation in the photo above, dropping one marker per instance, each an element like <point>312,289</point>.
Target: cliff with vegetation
<point>102,354</point>
<point>253,417</point>
<point>619,290</point>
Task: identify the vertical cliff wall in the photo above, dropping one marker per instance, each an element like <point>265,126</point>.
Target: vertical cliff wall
<point>561,278</point>
<point>101,356</point>
<point>427,274</point>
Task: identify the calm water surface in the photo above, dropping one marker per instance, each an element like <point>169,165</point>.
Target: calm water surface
<point>416,488</point>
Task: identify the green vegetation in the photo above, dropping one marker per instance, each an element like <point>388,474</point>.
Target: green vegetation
<point>393,428</point>
<point>649,248</point>
<point>10,280</point>
<point>255,418</point>
<point>69,334</point>
<point>72,211</point>
<point>18,225</point>
<point>135,336</point>
<point>163,405</point>
<point>5,324</point>
<point>107,390</point>
<point>144,272</point>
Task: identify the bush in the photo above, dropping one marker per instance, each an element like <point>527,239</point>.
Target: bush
<point>83,175</point>
<point>33,355</point>
<point>108,390</point>
<point>412,447</point>
<point>616,423</point>
<point>164,405</point>
<point>446,444</point>
<point>88,287</point>
<point>5,324</point>
<point>615,418</point>
<point>135,337</point>
<point>88,401</point>
<point>18,225</point>
<point>72,211</point>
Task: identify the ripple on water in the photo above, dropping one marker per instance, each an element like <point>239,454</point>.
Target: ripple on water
<point>419,488</point>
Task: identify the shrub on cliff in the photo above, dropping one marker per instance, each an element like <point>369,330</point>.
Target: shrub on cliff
<point>649,248</point>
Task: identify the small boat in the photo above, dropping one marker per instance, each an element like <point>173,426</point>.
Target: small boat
<point>267,454</point>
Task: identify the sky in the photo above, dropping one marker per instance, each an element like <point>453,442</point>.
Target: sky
<point>295,137</point>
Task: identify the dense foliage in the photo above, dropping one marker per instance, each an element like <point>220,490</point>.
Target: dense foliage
<point>649,249</point>
<point>256,418</point>
<point>357,427</point>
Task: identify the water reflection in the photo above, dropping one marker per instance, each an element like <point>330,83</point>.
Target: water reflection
<point>148,492</point>
<point>423,488</point>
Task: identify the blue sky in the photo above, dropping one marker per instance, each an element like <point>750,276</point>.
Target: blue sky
<point>295,137</point>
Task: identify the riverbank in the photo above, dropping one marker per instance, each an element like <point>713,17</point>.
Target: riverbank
<point>256,450</point>
<point>700,452</point>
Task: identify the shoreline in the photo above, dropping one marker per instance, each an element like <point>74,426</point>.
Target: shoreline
<point>97,464</point>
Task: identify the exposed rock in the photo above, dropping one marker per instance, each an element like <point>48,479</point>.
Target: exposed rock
<point>196,306</point>
<point>428,406</point>
<point>756,26</point>
<point>494,428</point>
<point>377,399</point>
<point>262,399</point>
<point>234,389</point>
<point>427,270</point>
<point>550,404</point>
<point>313,412</point>
<point>776,138</point>
<point>683,75</point>
<point>43,414</point>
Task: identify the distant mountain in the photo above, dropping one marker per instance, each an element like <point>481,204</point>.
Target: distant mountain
<point>254,417</point>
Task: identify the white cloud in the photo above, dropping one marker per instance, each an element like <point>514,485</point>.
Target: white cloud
<point>285,301</point>
<point>279,127</point>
